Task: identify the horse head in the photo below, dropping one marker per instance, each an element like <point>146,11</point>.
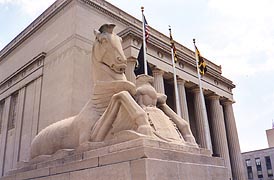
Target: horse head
<point>107,49</point>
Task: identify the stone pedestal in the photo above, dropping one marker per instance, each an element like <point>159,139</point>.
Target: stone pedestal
<point>139,159</point>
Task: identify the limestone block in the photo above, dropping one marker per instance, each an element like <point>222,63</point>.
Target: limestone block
<point>164,170</point>
<point>121,156</point>
<point>95,153</point>
<point>64,176</point>
<point>138,169</point>
<point>33,174</point>
<point>119,171</point>
<point>73,166</point>
<point>192,171</point>
<point>11,177</point>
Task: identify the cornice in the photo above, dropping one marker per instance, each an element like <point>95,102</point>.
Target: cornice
<point>182,56</point>
<point>134,27</point>
<point>32,66</point>
<point>33,27</point>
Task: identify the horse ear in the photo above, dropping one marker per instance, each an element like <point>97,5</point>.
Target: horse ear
<point>97,33</point>
<point>101,37</point>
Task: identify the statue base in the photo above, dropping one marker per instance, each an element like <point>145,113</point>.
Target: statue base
<point>139,159</point>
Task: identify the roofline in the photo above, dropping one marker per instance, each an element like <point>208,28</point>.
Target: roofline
<point>112,11</point>
<point>243,153</point>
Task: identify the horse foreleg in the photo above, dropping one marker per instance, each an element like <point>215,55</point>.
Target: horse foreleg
<point>135,112</point>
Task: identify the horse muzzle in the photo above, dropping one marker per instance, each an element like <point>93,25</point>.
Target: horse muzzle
<point>119,68</point>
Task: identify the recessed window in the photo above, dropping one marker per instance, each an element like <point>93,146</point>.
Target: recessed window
<point>268,166</point>
<point>249,169</point>
<point>259,167</point>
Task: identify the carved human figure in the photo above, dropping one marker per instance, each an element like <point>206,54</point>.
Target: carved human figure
<point>166,124</point>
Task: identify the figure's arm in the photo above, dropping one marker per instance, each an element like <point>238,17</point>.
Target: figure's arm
<point>161,98</point>
<point>174,117</point>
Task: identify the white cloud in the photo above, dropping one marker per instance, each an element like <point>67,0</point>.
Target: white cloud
<point>31,7</point>
<point>246,29</point>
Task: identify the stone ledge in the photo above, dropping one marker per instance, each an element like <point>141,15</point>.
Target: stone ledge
<point>66,161</point>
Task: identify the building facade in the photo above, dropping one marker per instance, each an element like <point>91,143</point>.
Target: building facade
<point>259,164</point>
<point>45,76</point>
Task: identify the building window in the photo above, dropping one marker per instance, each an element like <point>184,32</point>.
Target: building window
<point>1,113</point>
<point>249,169</point>
<point>259,167</point>
<point>268,166</point>
<point>12,112</point>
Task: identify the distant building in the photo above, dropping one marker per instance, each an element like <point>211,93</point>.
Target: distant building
<point>259,164</point>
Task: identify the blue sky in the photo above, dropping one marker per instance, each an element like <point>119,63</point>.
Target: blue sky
<point>236,34</point>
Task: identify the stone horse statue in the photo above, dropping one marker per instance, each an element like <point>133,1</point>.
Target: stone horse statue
<point>111,94</point>
<point>111,114</point>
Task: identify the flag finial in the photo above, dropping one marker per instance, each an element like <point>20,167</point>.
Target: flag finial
<point>142,8</point>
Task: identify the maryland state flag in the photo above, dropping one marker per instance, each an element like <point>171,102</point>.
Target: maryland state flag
<point>173,46</point>
<point>201,62</point>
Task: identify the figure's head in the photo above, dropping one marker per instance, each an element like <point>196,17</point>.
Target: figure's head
<point>144,79</point>
<point>107,49</point>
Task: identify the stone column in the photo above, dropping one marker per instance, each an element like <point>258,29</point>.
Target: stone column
<point>219,140</point>
<point>3,140</point>
<point>201,124</point>
<point>130,69</point>
<point>182,99</point>
<point>233,142</point>
<point>159,80</point>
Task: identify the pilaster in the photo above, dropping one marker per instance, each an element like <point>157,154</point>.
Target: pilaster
<point>18,125</point>
<point>3,140</point>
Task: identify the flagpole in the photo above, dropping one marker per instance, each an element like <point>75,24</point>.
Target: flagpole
<point>175,80</point>
<point>206,126</point>
<point>144,41</point>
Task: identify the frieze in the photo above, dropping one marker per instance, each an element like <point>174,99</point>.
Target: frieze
<point>33,65</point>
<point>213,70</point>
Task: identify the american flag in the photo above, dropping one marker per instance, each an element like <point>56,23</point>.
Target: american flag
<point>146,29</point>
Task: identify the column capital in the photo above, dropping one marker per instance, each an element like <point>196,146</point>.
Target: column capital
<point>195,89</point>
<point>181,81</point>
<point>158,71</point>
<point>213,96</point>
<point>227,102</point>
